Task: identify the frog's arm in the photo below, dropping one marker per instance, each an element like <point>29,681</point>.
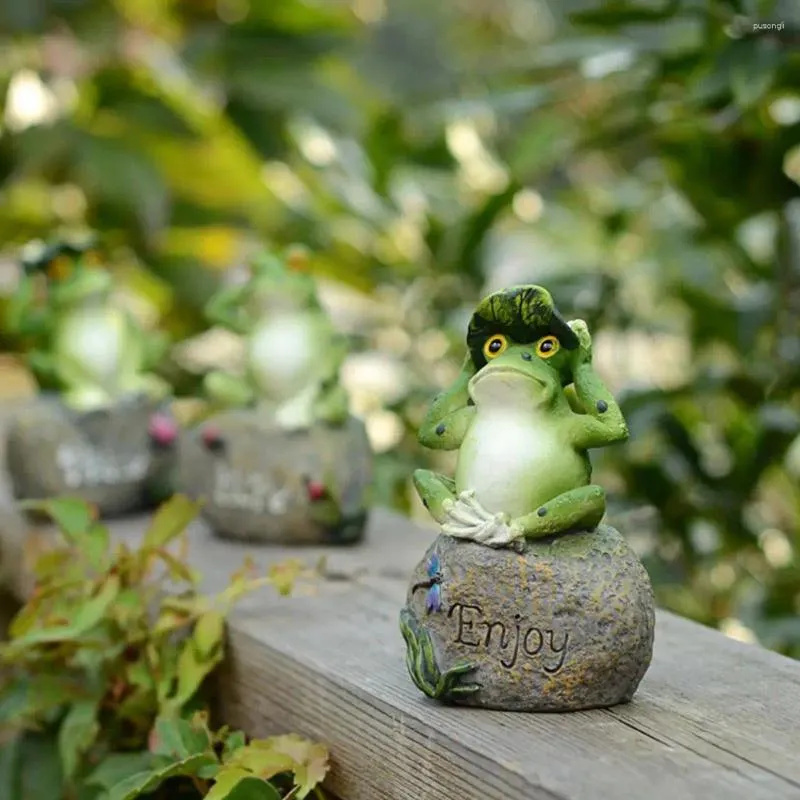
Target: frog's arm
<point>572,398</point>
<point>226,308</point>
<point>450,413</point>
<point>602,423</point>
<point>24,317</point>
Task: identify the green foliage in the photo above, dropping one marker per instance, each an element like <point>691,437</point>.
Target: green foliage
<point>110,654</point>
<point>639,159</point>
<point>424,669</point>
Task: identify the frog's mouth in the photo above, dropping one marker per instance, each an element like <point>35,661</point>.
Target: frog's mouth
<point>502,382</point>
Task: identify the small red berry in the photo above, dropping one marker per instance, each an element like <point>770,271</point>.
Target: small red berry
<point>162,430</point>
<point>211,437</point>
<point>316,490</point>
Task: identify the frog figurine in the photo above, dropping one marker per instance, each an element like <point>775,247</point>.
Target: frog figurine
<point>101,427</point>
<point>92,350</point>
<point>522,440</point>
<point>292,352</point>
<point>531,601</point>
<point>268,458</point>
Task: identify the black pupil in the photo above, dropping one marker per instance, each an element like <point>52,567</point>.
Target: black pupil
<point>495,345</point>
<point>547,346</point>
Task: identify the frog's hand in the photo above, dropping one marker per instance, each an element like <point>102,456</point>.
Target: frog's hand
<point>156,347</point>
<point>226,308</point>
<point>227,390</point>
<point>23,317</point>
<point>332,406</point>
<point>151,386</point>
<point>601,422</point>
<point>466,518</point>
<point>572,398</point>
<point>450,414</point>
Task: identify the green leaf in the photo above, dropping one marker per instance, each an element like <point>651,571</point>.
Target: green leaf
<point>84,620</point>
<point>72,515</point>
<point>148,781</point>
<point>169,521</point>
<point>96,546</point>
<point>77,733</point>
<point>117,767</point>
<point>617,13</point>
<point>208,632</point>
<point>193,668</point>
<point>178,738</point>
<point>238,784</point>
<point>233,742</point>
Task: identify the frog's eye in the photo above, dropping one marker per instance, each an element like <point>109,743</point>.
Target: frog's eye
<point>547,347</point>
<point>59,268</point>
<point>495,345</point>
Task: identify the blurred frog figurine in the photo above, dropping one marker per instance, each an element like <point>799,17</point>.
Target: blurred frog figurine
<point>293,353</point>
<point>522,414</point>
<point>92,350</point>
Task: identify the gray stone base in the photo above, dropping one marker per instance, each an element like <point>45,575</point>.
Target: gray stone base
<point>106,457</point>
<point>263,484</point>
<point>565,625</point>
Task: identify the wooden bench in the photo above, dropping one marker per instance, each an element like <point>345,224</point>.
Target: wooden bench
<point>714,718</point>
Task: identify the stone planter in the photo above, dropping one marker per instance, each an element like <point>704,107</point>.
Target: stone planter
<point>565,624</point>
<point>120,458</point>
<point>264,484</point>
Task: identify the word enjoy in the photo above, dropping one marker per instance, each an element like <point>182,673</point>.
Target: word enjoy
<point>513,640</point>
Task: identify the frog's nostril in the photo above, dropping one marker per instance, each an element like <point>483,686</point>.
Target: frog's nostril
<point>527,356</point>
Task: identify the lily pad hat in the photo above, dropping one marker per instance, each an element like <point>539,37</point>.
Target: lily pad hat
<point>524,314</point>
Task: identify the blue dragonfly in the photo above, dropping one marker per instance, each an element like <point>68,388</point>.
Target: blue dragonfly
<point>433,599</point>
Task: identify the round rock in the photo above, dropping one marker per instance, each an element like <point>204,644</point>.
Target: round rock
<point>565,624</point>
<point>119,458</point>
<point>262,483</point>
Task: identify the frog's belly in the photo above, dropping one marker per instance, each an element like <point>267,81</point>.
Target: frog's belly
<point>515,463</point>
<point>282,356</point>
<point>94,340</point>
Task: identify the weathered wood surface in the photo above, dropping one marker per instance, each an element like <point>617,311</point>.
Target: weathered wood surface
<point>714,719</point>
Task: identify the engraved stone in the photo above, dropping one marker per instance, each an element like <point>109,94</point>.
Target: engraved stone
<point>563,625</point>
<point>119,458</point>
<point>263,483</point>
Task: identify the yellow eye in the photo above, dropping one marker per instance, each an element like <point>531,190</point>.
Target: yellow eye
<point>495,345</point>
<point>547,347</point>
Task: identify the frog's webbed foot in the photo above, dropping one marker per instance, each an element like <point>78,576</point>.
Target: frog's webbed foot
<point>466,518</point>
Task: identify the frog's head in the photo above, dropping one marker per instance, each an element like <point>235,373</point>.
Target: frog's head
<point>521,346</point>
<point>72,270</point>
<point>282,283</point>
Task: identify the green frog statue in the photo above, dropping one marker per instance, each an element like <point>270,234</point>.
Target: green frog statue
<point>530,601</point>
<point>293,353</point>
<point>101,427</point>
<point>268,460</point>
<point>90,348</point>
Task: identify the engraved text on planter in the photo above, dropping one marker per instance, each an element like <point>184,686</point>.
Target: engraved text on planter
<point>83,465</point>
<point>251,491</point>
<point>513,640</point>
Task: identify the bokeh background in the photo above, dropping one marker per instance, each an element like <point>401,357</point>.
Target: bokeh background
<point>640,159</point>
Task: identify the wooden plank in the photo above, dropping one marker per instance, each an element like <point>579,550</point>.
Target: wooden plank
<point>714,718</point>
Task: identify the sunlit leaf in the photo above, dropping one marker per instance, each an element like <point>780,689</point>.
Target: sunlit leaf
<point>170,520</point>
